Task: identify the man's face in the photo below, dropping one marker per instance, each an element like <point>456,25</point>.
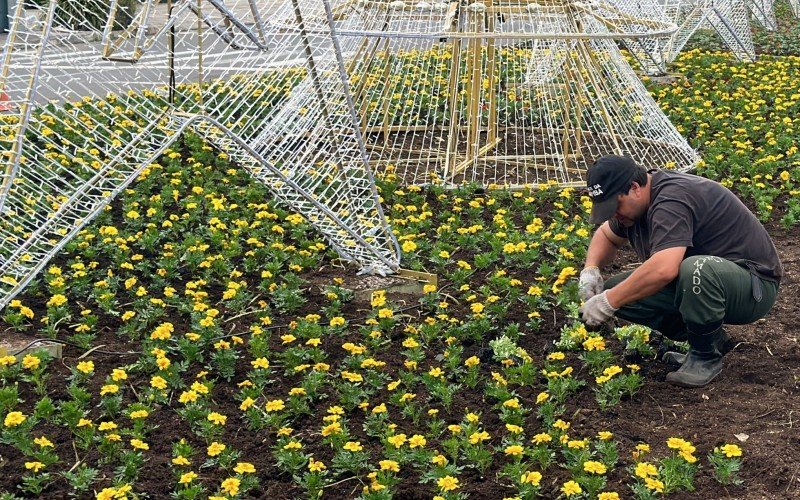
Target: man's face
<point>630,206</point>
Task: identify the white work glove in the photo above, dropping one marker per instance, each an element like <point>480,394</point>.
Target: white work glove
<point>597,310</point>
<point>590,283</point>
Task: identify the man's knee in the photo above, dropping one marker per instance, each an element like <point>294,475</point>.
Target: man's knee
<point>695,271</point>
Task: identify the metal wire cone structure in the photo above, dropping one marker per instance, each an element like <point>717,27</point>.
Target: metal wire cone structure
<point>763,11</point>
<point>500,92</point>
<point>729,18</point>
<point>92,98</point>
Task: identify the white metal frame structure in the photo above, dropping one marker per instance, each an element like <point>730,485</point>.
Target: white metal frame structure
<point>120,95</point>
<point>729,18</point>
<point>501,92</point>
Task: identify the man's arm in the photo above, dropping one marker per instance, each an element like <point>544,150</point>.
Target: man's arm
<point>654,274</point>
<point>603,247</point>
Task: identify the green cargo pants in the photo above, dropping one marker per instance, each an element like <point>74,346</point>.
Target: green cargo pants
<point>708,290</point>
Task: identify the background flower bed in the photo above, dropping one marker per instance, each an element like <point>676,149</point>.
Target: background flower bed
<point>194,266</point>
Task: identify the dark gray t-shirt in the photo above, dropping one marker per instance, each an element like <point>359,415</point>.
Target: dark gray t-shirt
<point>702,215</point>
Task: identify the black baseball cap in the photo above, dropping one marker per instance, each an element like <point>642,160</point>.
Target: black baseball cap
<point>608,177</point>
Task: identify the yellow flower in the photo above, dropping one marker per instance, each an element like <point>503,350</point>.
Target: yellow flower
<point>337,321</point>
<point>275,405</point>
<point>472,361</point>
<point>608,495</point>
<point>417,441</point>
<point>571,488</point>
<point>514,429</point>
<point>353,446</point>
<point>561,425</point>
<point>56,300</point>
<point>244,468</point>
<point>514,450</point>
<point>604,435</point>
<point>158,382</point>
<point>439,460</point>
<point>217,418</point>
<point>477,437</point>
<point>293,445</point>
<point>645,470</point>
<point>477,308</point>
<point>118,375</point>
<point>381,408</point>
<point>181,461</point>
<point>541,438</point>
<point>532,477</point>
<point>187,478</point>
<point>139,444</point>
<point>109,389</point>
<point>315,465</point>
<point>511,403</point>
<point>31,362</point>
<point>389,465</point>
<point>215,449</point>
<point>107,426</point>
<point>34,466</point>
<point>731,450</point>
<point>397,440</point>
<point>654,484</point>
<point>447,483</point>
<point>139,414</point>
<point>43,442</point>
<point>85,367</point>
<point>231,486</point>
<point>594,467</point>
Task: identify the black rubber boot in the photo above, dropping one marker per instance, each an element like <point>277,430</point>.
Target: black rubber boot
<point>703,362</point>
<point>723,342</point>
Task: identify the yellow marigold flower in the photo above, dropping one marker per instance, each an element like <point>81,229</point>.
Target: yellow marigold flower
<point>645,470</point>
<point>511,403</point>
<point>43,442</point>
<point>139,444</point>
<point>436,372</point>
<point>85,367</point>
<point>217,418</point>
<point>7,360</point>
<point>163,363</point>
<point>231,486</point>
<point>472,418</point>
<point>187,478</point>
<point>654,484</point>
<point>118,375</point>
<point>608,495</point>
<point>577,444</point>
<point>181,461</point>
<point>389,465</point>
<point>643,447</point>
<point>158,382</point>
<point>447,483</point>
<point>472,361</point>
<point>260,363</point>
<point>514,450</point>
<point>410,343</point>
<point>478,437</point>
<point>315,465</point>
<point>293,445</point>
<point>439,460</point>
<point>532,477</point>
<point>731,450</point>
<point>571,488</point>
<point>215,449</point>
<point>31,362</point>
<point>604,435</point>
<point>107,426</point>
<point>85,423</point>
<point>285,431</point>
<point>333,428</point>
<point>381,408</point>
<point>594,344</point>
<point>138,414</point>
<point>353,446</point>
<point>109,389</point>
<point>188,397</point>
<point>556,356</point>
<point>514,429</point>
<point>417,441</point>
<point>426,289</point>
<point>244,468</point>
<point>561,425</point>
<point>275,405</point>
<point>541,438</point>
<point>113,437</point>
<point>34,466</point>
<point>594,467</point>
<point>57,300</point>
<point>454,428</point>
<point>337,321</point>
<point>397,440</point>
<point>687,456</point>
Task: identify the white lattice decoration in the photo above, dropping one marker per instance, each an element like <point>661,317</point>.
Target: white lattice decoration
<point>235,79</point>
<point>502,92</point>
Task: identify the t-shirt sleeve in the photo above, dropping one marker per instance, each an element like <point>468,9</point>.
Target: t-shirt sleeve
<point>671,225</point>
<point>618,228</point>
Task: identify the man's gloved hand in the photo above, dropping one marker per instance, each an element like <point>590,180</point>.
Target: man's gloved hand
<point>590,283</point>
<point>597,310</point>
